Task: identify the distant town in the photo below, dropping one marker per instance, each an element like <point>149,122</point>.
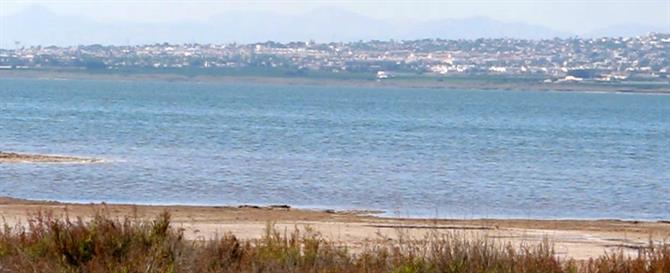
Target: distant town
<point>643,58</point>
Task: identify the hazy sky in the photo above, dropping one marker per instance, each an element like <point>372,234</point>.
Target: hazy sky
<point>564,15</point>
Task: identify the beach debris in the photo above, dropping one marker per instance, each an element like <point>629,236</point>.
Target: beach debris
<point>248,207</point>
<point>270,207</point>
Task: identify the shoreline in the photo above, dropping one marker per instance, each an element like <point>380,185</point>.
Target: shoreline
<point>375,213</point>
<point>579,239</point>
<point>381,213</point>
<point>464,83</point>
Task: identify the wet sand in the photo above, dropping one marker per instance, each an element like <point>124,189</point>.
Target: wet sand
<point>578,239</point>
<point>7,157</point>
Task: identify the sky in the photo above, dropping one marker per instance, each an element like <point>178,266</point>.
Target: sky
<point>563,15</point>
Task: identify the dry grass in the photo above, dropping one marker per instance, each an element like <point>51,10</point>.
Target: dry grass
<point>103,244</point>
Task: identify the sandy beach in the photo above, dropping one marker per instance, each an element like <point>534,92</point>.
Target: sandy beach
<point>578,239</point>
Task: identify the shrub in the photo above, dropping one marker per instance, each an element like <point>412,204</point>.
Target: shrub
<point>102,244</point>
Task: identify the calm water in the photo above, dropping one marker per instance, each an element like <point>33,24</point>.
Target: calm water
<point>411,152</point>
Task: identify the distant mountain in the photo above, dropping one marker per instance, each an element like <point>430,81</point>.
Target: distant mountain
<point>628,30</point>
<point>39,26</point>
<point>320,25</point>
<point>481,27</point>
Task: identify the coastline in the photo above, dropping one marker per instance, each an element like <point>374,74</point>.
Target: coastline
<point>579,239</point>
<point>465,83</point>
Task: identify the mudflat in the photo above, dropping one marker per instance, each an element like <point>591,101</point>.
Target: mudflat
<point>578,239</point>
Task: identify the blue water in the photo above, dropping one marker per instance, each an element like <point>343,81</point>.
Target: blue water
<point>409,152</point>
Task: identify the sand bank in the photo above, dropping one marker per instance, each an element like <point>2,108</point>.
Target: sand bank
<point>6,157</point>
<point>465,83</point>
<point>579,239</point>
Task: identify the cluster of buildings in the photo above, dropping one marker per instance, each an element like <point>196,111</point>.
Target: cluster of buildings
<point>607,59</point>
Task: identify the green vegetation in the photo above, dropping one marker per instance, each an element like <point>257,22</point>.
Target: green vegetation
<point>104,244</point>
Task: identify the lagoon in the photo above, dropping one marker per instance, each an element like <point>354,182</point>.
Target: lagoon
<point>409,152</point>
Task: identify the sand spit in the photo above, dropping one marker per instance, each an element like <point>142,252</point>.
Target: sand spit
<point>7,157</point>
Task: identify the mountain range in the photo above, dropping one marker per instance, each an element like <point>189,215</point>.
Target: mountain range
<point>39,26</point>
